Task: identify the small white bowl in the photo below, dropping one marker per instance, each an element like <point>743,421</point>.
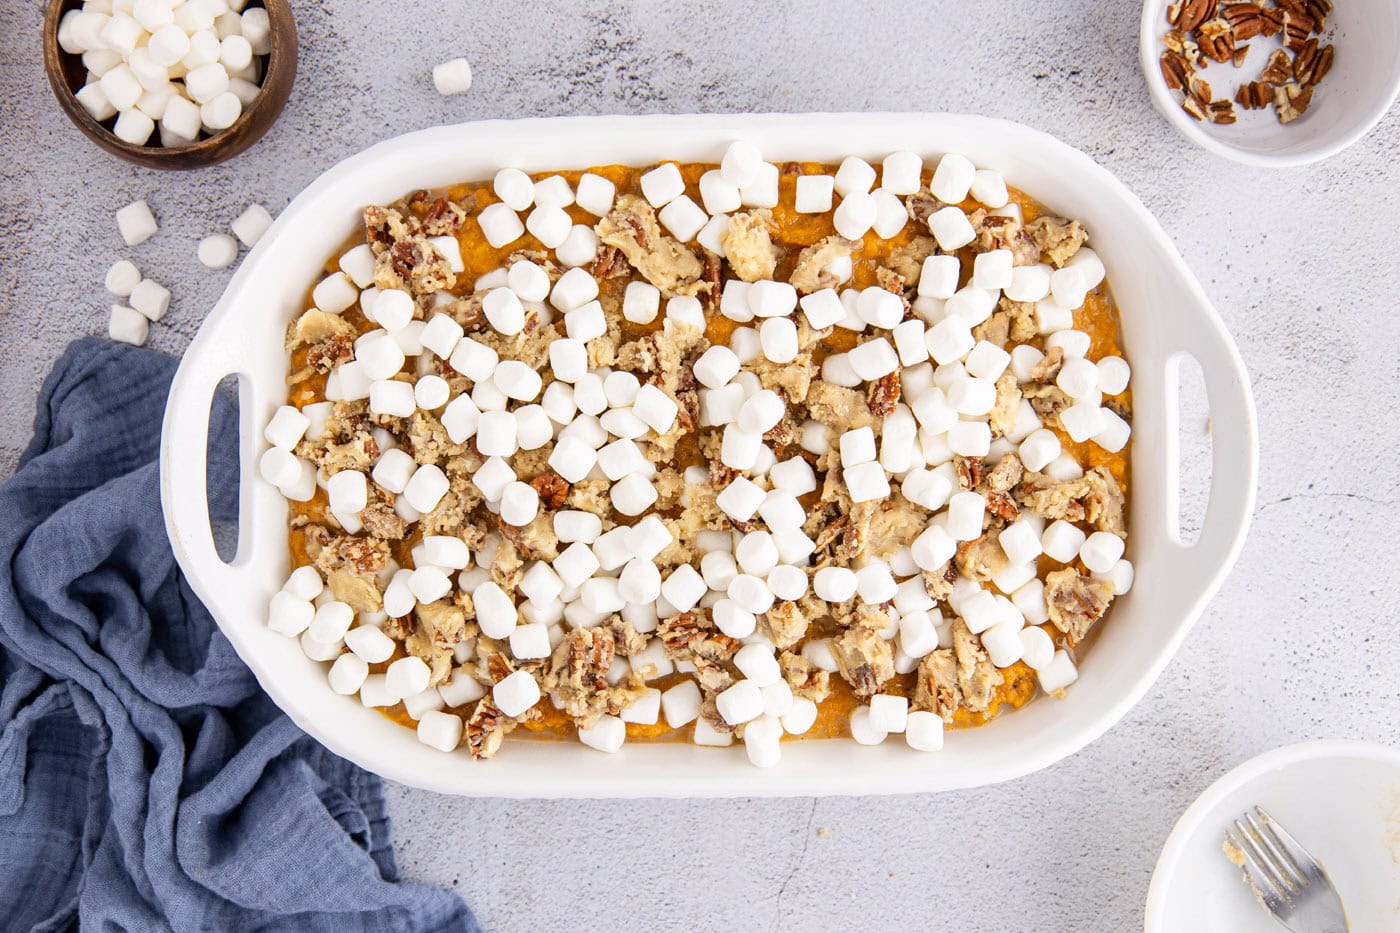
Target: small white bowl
<point>1356,93</point>
<point>1341,800</point>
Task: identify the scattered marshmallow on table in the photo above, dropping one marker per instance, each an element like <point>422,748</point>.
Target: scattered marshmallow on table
<point>452,77</point>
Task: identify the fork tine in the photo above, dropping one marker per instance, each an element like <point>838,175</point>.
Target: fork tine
<point>1261,882</point>
<point>1302,860</point>
<point>1281,860</point>
<point>1255,854</point>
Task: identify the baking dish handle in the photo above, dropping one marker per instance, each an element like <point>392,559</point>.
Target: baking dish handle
<point>184,463</point>
<point>1234,447</point>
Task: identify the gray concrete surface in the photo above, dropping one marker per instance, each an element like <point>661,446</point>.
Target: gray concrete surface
<point>1302,643</point>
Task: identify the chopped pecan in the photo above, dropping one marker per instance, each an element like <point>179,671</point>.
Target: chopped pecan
<point>1313,63</point>
<point>1216,39</point>
<point>1188,14</point>
<point>1057,238</point>
<point>328,354</point>
<point>1221,111</point>
<point>1002,506</point>
<point>978,677</point>
<point>608,263</point>
<point>1255,95</point>
<point>1296,29</point>
<point>1176,70</point>
<point>882,395</point>
<point>553,489</point>
<point>921,205</point>
<point>1271,21</point>
<point>1279,69</point>
<point>748,245</point>
<point>443,218</point>
<point>1291,100</point>
<point>1244,19</point>
<point>969,470</point>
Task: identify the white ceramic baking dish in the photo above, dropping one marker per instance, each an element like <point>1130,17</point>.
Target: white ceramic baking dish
<point>1165,315</point>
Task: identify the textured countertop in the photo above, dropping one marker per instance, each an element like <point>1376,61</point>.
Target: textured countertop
<point>1301,643</point>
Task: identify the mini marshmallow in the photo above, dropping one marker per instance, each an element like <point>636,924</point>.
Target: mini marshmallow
<point>951,228</point>
<point>1101,551</point>
<point>814,194</point>
<point>1074,343</point>
<point>965,513</point>
<point>451,77</point>
<point>953,178</point>
<point>875,584</point>
<point>633,494</point>
<point>135,223</point>
<point>1062,541</point>
<point>461,690</point>
<point>891,216</point>
<point>1114,374</point>
<point>992,269</point>
<point>426,487</point>
<point>1020,542</point>
<point>595,194</point>
<point>1083,420</point>
<point>520,503</point>
<point>221,111</point>
<point>866,482</point>
<point>1051,317</point>
<point>771,299</point>
<point>586,322</point>
<point>606,735</point>
<point>663,184</point>
<point>428,584</point>
<point>1037,647</point>
<point>873,359</point>
<point>1029,283</point>
<point>733,619</point>
<point>217,251</point>
<point>1058,674</point>
<point>1003,643</point>
<point>681,703</point>
<point>923,731</point>
<point>1120,575</point>
<point>762,190</point>
<point>854,175</point>
<point>778,338</point>
<point>857,446</point>
<point>800,717</point>
<point>348,674</point>
<point>900,172</point>
<point>970,438</point>
<point>553,191</point>
<point>712,234</point>
<point>740,703</point>
<point>579,248</point>
<point>1039,448</point>
<point>939,277</point>
<point>856,214</point>
<point>683,218</point>
<point>787,582</point>
<point>757,663</point>
<point>514,188</point>
<point>501,225</point>
<point>304,583</point>
<point>439,730</point>
<point>516,693</point>
<point>989,188</point>
<point>834,584</point>
<point>888,713</point>
<point>863,730</point>
<point>289,615</point>
<point>1078,378</point>
<point>122,278</point>
<point>330,622</point>
<point>656,408</point>
<point>683,588</point>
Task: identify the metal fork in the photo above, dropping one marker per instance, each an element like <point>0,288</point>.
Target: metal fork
<point>1284,876</point>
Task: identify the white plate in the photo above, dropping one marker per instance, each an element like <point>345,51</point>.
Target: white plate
<point>1165,316</point>
<point>1341,800</point>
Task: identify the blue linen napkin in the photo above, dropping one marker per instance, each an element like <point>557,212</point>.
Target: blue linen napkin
<point>146,781</point>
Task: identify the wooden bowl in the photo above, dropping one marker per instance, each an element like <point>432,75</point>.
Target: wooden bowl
<point>67,74</point>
